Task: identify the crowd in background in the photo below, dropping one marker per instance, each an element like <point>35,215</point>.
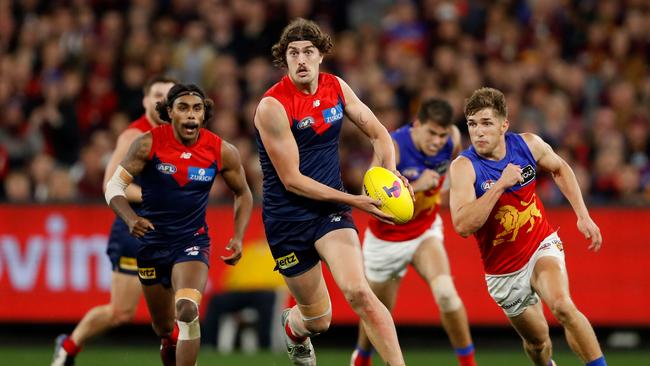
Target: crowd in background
<point>575,72</point>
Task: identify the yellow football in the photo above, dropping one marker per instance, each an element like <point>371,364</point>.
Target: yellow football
<point>383,185</point>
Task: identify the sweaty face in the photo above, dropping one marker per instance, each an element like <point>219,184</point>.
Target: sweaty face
<point>429,137</point>
<point>187,114</point>
<point>157,93</point>
<point>486,131</point>
<point>303,61</point>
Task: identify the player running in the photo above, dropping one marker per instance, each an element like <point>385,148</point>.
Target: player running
<point>177,163</point>
<point>122,247</point>
<point>424,151</point>
<point>493,196</point>
<point>306,210</point>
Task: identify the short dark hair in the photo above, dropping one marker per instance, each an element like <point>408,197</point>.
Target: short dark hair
<point>146,88</point>
<point>436,110</point>
<point>486,98</point>
<point>300,30</point>
<point>180,90</point>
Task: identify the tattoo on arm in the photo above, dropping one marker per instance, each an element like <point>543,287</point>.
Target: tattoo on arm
<point>138,154</point>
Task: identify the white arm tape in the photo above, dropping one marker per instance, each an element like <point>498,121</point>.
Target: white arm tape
<point>116,186</point>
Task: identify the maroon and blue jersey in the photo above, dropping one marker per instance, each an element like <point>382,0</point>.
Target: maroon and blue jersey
<point>176,183</point>
<point>517,224</point>
<point>316,122</point>
<point>412,162</point>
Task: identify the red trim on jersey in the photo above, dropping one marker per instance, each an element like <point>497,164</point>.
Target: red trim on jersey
<point>285,90</point>
<point>171,151</point>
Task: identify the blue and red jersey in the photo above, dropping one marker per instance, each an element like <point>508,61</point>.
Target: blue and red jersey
<point>517,224</point>
<point>412,162</point>
<point>176,183</point>
<point>316,122</point>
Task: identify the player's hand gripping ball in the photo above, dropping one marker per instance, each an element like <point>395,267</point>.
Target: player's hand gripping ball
<point>381,184</point>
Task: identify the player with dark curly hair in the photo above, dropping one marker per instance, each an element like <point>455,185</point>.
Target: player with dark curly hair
<point>177,163</point>
<point>306,211</point>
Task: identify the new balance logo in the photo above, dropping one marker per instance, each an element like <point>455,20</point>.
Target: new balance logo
<point>192,250</point>
<point>394,191</point>
<point>186,155</point>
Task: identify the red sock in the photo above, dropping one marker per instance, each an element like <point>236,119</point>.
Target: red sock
<point>70,347</point>
<point>467,360</point>
<point>174,335</point>
<point>292,336</point>
<point>362,357</point>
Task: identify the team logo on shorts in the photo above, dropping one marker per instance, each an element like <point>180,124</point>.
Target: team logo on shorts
<point>306,123</point>
<point>166,168</point>
<point>287,261</point>
<point>147,273</point>
<point>200,174</point>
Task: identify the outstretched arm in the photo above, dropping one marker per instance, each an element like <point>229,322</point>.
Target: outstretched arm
<point>273,125</point>
<point>235,178</point>
<point>468,213</point>
<point>566,180</point>
<point>132,165</point>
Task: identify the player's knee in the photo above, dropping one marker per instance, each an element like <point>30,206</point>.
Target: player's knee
<point>445,294</point>
<point>563,309</point>
<point>187,304</point>
<point>122,315</point>
<point>358,296</point>
<point>164,329</point>
<point>187,313</point>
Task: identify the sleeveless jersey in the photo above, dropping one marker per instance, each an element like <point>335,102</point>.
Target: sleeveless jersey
<point>412,163</point>
<point>176,182</point>
<point>517,223</point>
<point>316,122</point>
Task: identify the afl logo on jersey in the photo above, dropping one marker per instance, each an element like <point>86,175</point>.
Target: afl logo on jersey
<point>487,185</point>
<point>166,168</point>
<point>306,123</point>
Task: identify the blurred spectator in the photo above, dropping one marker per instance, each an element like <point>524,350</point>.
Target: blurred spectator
<point>576,73</point>
<point>17,187</point>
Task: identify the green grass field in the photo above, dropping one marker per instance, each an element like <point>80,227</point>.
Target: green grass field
<point>140,356</point>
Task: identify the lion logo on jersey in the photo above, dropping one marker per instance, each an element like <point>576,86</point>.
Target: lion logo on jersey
<point>511,220</point>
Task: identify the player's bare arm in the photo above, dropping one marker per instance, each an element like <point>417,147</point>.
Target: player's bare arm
<point>132,165</point>
<point>566,180</point>
<point>382,143</point>
<point>362,117</point>
<point>126,138</point>
<point>235,178</point>
<point>468,213</point>
<point>274,128</point>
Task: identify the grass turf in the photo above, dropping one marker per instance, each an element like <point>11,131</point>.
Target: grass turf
<point>96,355</point>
